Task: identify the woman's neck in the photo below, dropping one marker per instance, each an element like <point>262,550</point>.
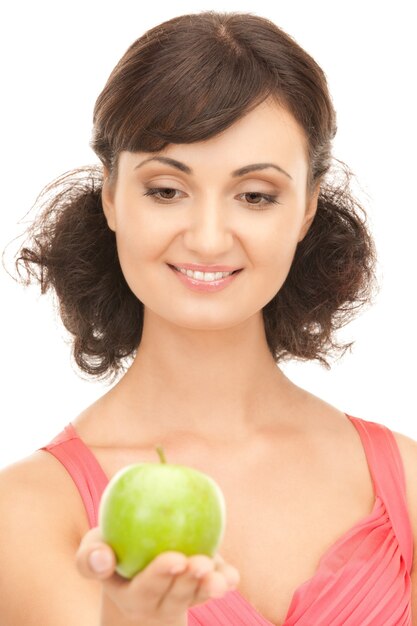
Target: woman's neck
<point>217,386</point>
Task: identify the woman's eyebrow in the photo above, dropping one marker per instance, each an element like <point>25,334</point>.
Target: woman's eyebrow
<point>239,172</point>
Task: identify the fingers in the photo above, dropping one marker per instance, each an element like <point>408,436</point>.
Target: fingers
<point>140,597</point>
<point>204,578</point>
<point>218,581</point>
<point>169,585</point>
<point>94,558</point>
<point>229,572</point>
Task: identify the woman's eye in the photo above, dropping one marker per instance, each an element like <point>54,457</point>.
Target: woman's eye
<point>269,198</point>
<point>156,191</point>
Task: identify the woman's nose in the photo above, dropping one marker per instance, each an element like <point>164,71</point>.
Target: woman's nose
<point>209,232</point>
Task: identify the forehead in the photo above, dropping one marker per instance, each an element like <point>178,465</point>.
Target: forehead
<point>267,133</point>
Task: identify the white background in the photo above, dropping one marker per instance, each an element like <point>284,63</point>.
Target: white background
<point>55,59</point>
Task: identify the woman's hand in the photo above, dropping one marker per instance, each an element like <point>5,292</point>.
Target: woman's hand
<point>160,594</point>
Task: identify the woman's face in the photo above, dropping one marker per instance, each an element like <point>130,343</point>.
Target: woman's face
<point>211,215</point>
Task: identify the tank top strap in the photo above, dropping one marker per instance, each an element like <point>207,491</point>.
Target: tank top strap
<point>83,468</point>
<point>387,471</point>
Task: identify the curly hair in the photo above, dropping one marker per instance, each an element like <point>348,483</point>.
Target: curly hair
<point>227,63</point>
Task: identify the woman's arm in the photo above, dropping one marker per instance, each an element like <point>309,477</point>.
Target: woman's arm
<point>408,450</point>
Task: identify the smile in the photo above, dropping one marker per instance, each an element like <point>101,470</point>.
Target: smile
<point>205,281</point>
<point>206,276</point>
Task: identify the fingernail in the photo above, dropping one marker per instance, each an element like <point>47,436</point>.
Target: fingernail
<point>100,561</point>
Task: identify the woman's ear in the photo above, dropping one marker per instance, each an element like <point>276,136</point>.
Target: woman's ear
<point>107,200</point>
<point>310,212</point>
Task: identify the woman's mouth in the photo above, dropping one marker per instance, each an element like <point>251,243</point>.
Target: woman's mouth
<point>205,281</point>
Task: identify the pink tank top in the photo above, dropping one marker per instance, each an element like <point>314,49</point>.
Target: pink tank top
<point>361,580</point>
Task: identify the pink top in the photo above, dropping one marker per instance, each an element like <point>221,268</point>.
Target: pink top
<point>361,580</point>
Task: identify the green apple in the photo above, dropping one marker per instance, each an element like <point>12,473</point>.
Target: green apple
<point>149,508</point>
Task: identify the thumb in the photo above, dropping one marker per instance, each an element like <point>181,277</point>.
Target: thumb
<point>94,558</point>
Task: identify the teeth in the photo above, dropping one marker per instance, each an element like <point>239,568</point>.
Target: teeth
<point>207,276</point>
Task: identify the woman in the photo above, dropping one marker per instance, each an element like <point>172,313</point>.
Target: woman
<point>209,247</point>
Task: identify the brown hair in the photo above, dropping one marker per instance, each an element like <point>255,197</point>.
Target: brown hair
<point>183,81</point>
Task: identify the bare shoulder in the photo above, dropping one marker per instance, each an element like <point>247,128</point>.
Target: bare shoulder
<point>407,445</point>
<point>39,485</point>
<point>41,518</point>
<point>408,451</point>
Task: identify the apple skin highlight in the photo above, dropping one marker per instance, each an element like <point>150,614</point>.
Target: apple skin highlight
<point>149,508</point>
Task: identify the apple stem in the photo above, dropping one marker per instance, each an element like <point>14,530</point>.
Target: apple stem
<point>161,454</point>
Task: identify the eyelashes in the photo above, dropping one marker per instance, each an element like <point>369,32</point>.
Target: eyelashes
<point>154,193</point>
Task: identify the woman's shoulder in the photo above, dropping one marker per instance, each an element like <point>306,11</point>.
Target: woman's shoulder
<point>408,451</point>
<point>407,447</point>
<point>38,487</point>
<point>39,537</point>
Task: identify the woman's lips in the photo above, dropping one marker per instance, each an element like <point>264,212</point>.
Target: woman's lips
<point>203,285</point>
